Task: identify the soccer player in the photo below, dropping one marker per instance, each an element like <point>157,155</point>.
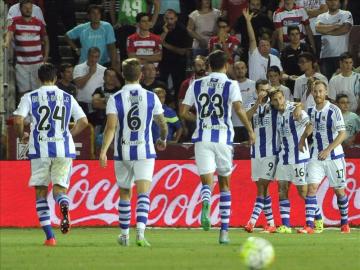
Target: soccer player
<point>291,167</point>
<point>327,156</point>
<point>263,154</point>
<point>130,113</point>
<point>51,145</point>
<point>213,97</point>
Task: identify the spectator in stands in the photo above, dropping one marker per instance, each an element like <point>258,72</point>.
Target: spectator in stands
<point>31,47</point>
<point>260,23</point>
<point>274,76</point>
<point>65,80</point>
<point>223,40</point>
<point>314,8</point>
<point>172,120</point>
<point>248,95</point>
<point>95,33</point>
<point>14,11</point>
<point>352,120</point>
<point>202,25</point>
<point>334,26</point>
<point>148,80</point>
<point>175,44</point>
<point>232,9</point>
<point>164,6</point>
<point>54,9</point>
<point>346,82</point>
<point>125,20</point>
<point>354,7</point>
<point>144,45</point>
<point>303,84</point>
<point>260,58</point>
<point>291,15</point>
<point>88,76</point>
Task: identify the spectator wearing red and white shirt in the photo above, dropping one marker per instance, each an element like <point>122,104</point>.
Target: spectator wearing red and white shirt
<point>31,47</point>
<point>223,40</point>
<point>292,15</point>
<point>144,45</point>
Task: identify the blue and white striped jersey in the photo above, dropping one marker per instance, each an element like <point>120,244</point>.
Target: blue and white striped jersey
<point>213,96</point>
<point>264,125</point>
<point>50,109</point>
<point>135,108</point>
<point>327,123</point>
<point>290,132</point>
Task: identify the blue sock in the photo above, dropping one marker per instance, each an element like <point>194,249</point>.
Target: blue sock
<point>258,207</point>
<point>318,215</point>
<point>285,212</point>
<point>124,216</point>
<point>268,211</point>
<point>205,193</point>
<point>343,207</point>
<point>310,208</point>
<point>142,212</point>
<point>43,212</point>
<point>62,199</point>
<point>225,208</point>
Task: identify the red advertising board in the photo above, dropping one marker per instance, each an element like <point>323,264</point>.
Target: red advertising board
<point>175,199</point>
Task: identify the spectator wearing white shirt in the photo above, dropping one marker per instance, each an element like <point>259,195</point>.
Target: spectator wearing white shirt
<point>346,82</point>
<point>303,84</point>
<point>87,77</point>
<point>14,11</point>
<point>334,26</point>
<point>260,58</point>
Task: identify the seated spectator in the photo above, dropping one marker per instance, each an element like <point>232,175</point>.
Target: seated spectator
<point>148,80</point>
<point>201,26</point>
<point>223,40</point>
<point>303,84</point>
<point>352,120</point>
<point>274,76</point>
<point>31,47</point>
<point>172,120</point>
<point>65,80</point>
<point>144,45</point>
<point>260,58</point>
<point>291,15</point>
<point>346,82</point>
<point>14,11</point>
<point>88,76</point>
<point>95,33</point>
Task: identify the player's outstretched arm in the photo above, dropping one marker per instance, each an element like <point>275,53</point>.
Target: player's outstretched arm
<point>239,110</point>
<point>109,133</point>
<point>161,122</point>
<point>308,130</point>
<point>79,126</point>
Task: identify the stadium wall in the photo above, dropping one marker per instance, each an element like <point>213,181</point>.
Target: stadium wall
<point>175,199</point>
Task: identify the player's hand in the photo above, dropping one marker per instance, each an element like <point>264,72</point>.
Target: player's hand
<point>302,145</point>
<point>160,145</point>
<point>25,138</point>
<point>297,113</point>
<point>103,160</point>
<point>323,154</point>
<point>251,140</point>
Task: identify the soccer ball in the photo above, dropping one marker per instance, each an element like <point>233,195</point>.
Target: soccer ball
<point>257,253</point>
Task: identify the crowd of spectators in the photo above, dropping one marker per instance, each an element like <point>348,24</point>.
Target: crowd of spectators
<point>289,42</point>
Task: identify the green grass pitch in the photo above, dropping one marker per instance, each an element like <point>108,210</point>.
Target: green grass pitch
<point>173,249</point>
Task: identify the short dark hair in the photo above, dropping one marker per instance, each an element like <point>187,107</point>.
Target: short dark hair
<point>261,82</point>
<point>292,28</point>
<point>222,19</point>
<point>108,70</point>
<point>274,69</point>
<point>140,15</point>
<point>93,6</point>
<point>92,50</point>
<point>217,60</point>
<point>47,72</point>
<point>198,4</point>
<point>170,10</point>
<point>308,56</point>
<point>64,66</point>
<point>340,96</point>
<point>23,2</point>
<point>344,56</point>
<point>131,69</point>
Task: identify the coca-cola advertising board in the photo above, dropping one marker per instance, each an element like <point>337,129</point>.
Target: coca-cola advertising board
<point>175,196</point>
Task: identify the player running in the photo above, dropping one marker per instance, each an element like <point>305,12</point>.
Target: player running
<point>327,157</point>
<point>51,145</point>
<point>213,97</point>
<point>130,113</point>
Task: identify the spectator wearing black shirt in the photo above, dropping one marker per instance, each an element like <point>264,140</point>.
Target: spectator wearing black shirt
<point>66,77</point>
<point>176,43</point>
<point>149,81</point>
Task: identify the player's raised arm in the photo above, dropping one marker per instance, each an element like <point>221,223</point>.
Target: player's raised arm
<point>239,110</point>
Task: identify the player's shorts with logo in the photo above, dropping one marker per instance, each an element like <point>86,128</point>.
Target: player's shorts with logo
<point>335,170</point>
<point>295,173</point>
<point>263,168</point>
